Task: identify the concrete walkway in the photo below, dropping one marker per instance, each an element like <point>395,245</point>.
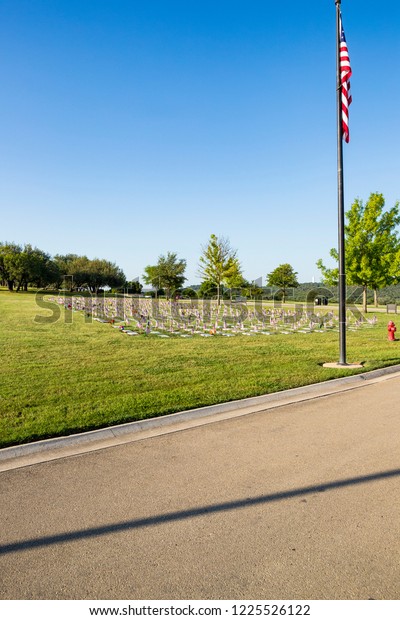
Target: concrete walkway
<point>297,500</point>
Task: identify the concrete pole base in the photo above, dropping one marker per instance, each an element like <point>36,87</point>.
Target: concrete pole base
<point>342,366</point>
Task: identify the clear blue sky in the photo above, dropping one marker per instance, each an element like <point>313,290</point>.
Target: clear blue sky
<point>131,128</point>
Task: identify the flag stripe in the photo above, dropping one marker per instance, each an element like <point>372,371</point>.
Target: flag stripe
<point>345,75</point>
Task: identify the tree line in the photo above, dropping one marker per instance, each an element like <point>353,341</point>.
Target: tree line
<point>372,257</point>
<point>219,269</point>
<point>23,266</point>
<point>372,252</point>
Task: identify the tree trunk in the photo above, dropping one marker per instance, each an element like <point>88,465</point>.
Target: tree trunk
<point>10,284</point>
<point>375,298</point>
<point>365,309</point>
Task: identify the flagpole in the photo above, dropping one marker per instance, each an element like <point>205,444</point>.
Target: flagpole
<point>341,225</point>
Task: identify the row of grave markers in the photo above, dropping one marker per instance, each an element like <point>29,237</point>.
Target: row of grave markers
<point>164,319</point>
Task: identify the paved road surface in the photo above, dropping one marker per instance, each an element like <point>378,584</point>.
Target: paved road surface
<point>298,502</point>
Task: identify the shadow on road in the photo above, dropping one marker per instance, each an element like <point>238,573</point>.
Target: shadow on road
<point>114,528</point>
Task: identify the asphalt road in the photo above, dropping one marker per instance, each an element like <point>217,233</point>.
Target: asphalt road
<point>298,502</point>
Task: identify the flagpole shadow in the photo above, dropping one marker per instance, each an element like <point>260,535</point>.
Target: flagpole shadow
<point>161,519</point>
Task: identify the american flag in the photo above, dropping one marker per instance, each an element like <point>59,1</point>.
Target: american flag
<point>345,75</point>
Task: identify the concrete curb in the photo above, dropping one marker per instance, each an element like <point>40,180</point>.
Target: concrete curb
<point>115,435</point>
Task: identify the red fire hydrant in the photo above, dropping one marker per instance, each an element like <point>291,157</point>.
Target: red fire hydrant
<point>391,330</point>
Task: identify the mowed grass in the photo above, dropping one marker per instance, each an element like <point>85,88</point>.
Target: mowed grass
<point>61,378</point>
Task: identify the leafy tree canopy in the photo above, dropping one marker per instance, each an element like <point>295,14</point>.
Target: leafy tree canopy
<point>219,265</point>
<point>372,246</point>
<point>20,266</point>
<point>82,272</point>
<point>168,273</point>
<point>284,277</point>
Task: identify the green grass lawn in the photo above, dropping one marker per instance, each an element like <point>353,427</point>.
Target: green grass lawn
<point>61,378</point>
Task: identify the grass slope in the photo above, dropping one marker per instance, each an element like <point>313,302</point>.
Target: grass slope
<point>61,378</point>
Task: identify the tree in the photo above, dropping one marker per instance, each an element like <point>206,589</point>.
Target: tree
<point>234,278</point>
<point>133,287</point>
<point>207,290</point>
<point>167,273</point>
<point>34,267</point>
<point>372,247</point>
<point>80,271</point>
<point>66,266</point>
<point>77,272</point>
<point>102,273</point>
<point>22,266</point>
<point>252,290</point>
<point>284,277</point>
<point>218,263</point>
<point>330,277</point>
<point>189,293</point>
<point>9,256</point>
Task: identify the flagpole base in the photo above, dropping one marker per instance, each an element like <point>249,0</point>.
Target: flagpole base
<point>342,366</point>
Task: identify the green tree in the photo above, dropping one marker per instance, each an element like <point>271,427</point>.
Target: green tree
<point>252,290</point>
<point>372,247</point>
<point>101,273</point>
<point>133,287</point>
<point>207,290</point>
<point>22,266</point>
<point>218,263</point>
<point>80,271</point>
<point>330,276</point>
<point>189,293</point>
<point>166,274</point>
<point>34,267</point>
<point>284,277</point>
<point>234,277</point>
<point>9,258</point>
<point>66,266</point>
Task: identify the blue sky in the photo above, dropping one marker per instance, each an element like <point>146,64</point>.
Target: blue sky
<point>129,129</point>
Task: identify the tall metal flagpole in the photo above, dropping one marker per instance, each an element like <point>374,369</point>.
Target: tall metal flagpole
<point>341,245</point>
